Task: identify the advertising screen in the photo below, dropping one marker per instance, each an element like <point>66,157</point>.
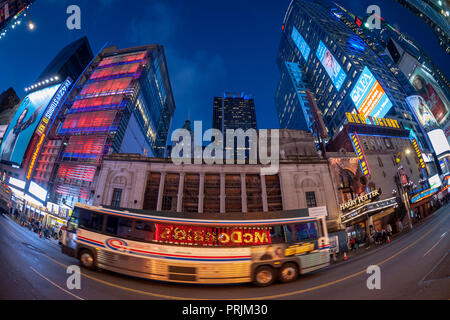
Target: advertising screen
<point>331,66</point>
<point>422,112</point>
<point>435,182</point>
<point>433,95</point>
<point>439,141</point>
<point>369,97</point>
<point>37,191</point>
<point>24,124</point>
<point>300,43</point>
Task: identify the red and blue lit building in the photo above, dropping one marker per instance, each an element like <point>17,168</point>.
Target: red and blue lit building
<point>122,103</point>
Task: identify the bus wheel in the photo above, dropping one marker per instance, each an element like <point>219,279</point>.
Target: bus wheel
<point>264,276</point>
<point>288,272</point>
<point>87,259</point>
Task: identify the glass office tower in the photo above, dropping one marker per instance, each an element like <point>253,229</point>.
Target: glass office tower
<point>123,103</point>
<point>343,72</point>
<point>234,111</point>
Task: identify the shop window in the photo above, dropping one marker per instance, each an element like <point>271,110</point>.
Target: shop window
<point>311,199</point>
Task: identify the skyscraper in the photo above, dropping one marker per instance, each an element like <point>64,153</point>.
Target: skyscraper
<point>234,111</point>
<point>342,71</point>
<point>434,13</point>
<point>70,61</point>
<point>123,103</point>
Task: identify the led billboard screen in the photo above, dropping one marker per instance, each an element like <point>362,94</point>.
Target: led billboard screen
<point>24,123</point>
<point>332,67</point>
<point>433,95</point>
<point>369,97</point>
<point>300,43</point>
<point>435,182</point>
<point>439,141</point>
<point>37,191</point>
<point>422,112</point>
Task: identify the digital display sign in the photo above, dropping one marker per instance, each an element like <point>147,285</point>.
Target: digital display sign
<point>427,87</point>
<point>381,122</point>
<point>301,44</point>
<point>422,112</point>
<point>37,191</point>
<point>17,183</point>
<point>439,141</point>
<point>332,67</point>
<point>369,97</point>
<point>24,123</point>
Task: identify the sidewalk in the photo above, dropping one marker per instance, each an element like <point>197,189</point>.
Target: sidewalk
<point>52,240</point>
<point>362,250</point>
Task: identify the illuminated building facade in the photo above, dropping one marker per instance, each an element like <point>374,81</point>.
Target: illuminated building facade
<point>342,71</point>
<point>291,100</point>
<point>123,103</point>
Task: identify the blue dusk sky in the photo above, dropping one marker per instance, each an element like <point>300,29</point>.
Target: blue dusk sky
<point>211,46</point>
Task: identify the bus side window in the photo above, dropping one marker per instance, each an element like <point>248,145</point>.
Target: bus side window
<point>111,225</point>
<point>144,231</point>
<point>288,231</point>
<point>124,230</point>
<point>91,220</point>
<point>306,231</point>
<point>276,234</point>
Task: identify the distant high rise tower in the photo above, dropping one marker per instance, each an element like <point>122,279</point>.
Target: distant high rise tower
<point>123,103</point>
<point>70,61</point>
<point>234,111</point>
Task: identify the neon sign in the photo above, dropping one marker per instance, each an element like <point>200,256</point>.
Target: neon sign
<point>360,153</point>
<point>418,153</point>
<point>207,236</point>
<point>381,122</point>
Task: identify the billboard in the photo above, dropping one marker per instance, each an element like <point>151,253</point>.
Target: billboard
<point>422,112</point>
<point>332,67</point>
<point>24,123</point>
<point>435,182</point>
<point>433,95</point>
<point>37,191</point>
<point>439,141</point>
<point>369,97</point>
<point>300,43</point>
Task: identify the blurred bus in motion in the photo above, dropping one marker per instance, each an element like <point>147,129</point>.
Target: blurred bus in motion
<point>5,198</point>
<point>198,247</point>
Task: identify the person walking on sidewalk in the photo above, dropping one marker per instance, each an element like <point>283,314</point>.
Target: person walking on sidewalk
<point>389,230</point>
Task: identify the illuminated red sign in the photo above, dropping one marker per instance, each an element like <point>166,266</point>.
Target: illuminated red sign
<point>212,236</point>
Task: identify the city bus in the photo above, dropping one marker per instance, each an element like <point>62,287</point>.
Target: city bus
<point>198,248</point>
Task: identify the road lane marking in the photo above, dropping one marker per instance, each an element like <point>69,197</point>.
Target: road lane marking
<point>68,292</point>
<point>442,237</point>
<point>253,298</point>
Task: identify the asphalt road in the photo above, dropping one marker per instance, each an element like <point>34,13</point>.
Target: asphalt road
<point>413,266</point>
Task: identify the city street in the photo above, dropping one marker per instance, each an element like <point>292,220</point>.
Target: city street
<point>415,265</point>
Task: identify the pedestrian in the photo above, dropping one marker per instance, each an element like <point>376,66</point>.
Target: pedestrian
<point>389,230</point>
<point>384,236</point>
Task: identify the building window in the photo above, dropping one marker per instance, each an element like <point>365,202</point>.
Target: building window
<point>117,195</point>
<point>380,163</point>
<point>311,199</point>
